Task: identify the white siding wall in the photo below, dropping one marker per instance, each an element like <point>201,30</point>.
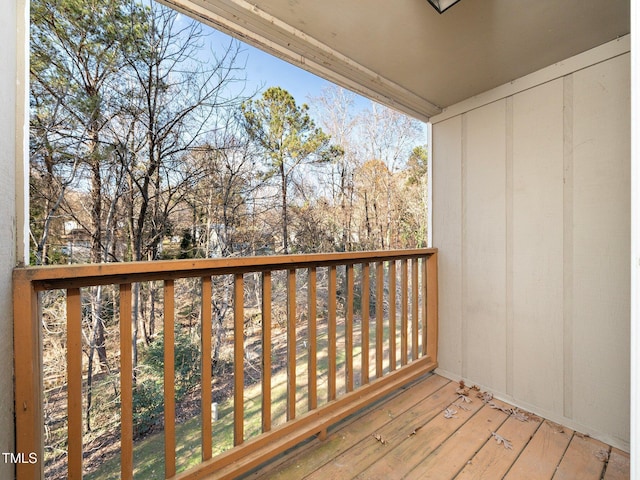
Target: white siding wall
<point>8,60</point>
<point>531,203</point>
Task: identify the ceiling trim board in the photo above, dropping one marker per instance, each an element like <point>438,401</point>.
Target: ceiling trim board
<point>252,25</point>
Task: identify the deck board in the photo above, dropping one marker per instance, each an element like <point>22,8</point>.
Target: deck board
<point>400,458</point>
<point>452,455</point>
<point>354,431</point>
<point>584,459</point>
<point>370,449</point>
<point>542,454</point>
<point>618,466</point>
<point>408,436</point>
<point>494,459</point>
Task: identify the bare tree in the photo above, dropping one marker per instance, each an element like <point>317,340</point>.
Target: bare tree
<point>288,138</point>
<point>337,116</point>
<point>173,98</point>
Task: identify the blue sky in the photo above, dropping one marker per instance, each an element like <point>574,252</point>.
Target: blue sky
<point>264,70</point>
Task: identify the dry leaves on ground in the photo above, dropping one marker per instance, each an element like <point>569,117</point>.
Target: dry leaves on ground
<point>486,397</point>
<point>462,406</point>
<point>513,412</point>
<point>379,438</point>
<point>450,413</point>
<point>500,439</point>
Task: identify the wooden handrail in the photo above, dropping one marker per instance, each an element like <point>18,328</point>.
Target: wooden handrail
<point>417,329</point>
<point>85,275</point>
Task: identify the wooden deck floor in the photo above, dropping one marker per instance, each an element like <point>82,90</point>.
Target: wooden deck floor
<point>409,436</point>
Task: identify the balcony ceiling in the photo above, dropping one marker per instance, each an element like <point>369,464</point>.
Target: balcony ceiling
<point>405,54</point>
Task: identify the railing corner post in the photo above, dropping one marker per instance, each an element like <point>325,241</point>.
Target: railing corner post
<point>27,348</point>
<point>432,306</point>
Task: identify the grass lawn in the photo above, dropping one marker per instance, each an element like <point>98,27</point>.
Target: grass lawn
<point>149,452</point>
<point>148,456</point>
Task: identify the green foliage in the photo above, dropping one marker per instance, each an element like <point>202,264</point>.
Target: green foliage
<point>288,138</point>
<point>148,396</point>
<point>285,131</point>
<point>148,401</point>
<point>186,361</point>
<point>417,164</point>
<point>187,248</point>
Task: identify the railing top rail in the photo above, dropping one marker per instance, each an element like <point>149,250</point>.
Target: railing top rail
<point>84,275</point>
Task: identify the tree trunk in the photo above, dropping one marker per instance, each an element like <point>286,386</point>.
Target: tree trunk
<point>285,219</point>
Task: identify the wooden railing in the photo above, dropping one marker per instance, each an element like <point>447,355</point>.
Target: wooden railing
<point>416,328</point>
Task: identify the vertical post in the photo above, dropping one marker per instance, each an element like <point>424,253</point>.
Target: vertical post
<point>365,323</point>
<point>432,306</point>
<point>169,381</point>
<point>266,351</point>
<point>348,342</point>
<point>415,290</point>
<point>27,342</point>
<point>332,332</point>
<point>392,315</point>
<point>404,320</point>
<point>205,367</point>
<point>74,383</point>
<point>238,357</point>
<point>291,344</point>
<point>312,352</point>
<point>424,301</point>
<point>379,316</point>
<point>126,384</point>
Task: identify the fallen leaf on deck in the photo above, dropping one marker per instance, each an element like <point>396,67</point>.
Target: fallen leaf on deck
<point>462,389</point>
<point>464,398</point>
<point>485,396</point>
<point>556,426</point>
<point>462,407</point>
<point>518,415</point>
<point>500,439</point>
<point>450,413</point>
<point>415,430</point>
<point>499,407</point>
<point>533,417</point>
<point>602,455</point>
<point>379,438</point>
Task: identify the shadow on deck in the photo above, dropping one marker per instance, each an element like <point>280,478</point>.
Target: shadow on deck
<point>408,435</point>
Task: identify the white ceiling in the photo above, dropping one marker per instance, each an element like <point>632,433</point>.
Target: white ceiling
<point>405,54</point>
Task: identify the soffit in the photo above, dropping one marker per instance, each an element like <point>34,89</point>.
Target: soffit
<point>405,54</point>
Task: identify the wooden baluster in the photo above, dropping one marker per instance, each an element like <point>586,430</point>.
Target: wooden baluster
<point>404,320</point>
<point>332,332</point>
<point>266,351</point>
<point>424,300</point>
<point>312,352</point>
<point>238,357</point>
<point>74,382</point>
<point>379,317</point>
<point>415,290</point>
<point>126,384</point>
<point>348,341</point>
<point>169,381</point>
<point>365,323</point>
<point>392,315</point>
<point>205,367</point>
<point>291,344</point>
<point>432,307</point>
